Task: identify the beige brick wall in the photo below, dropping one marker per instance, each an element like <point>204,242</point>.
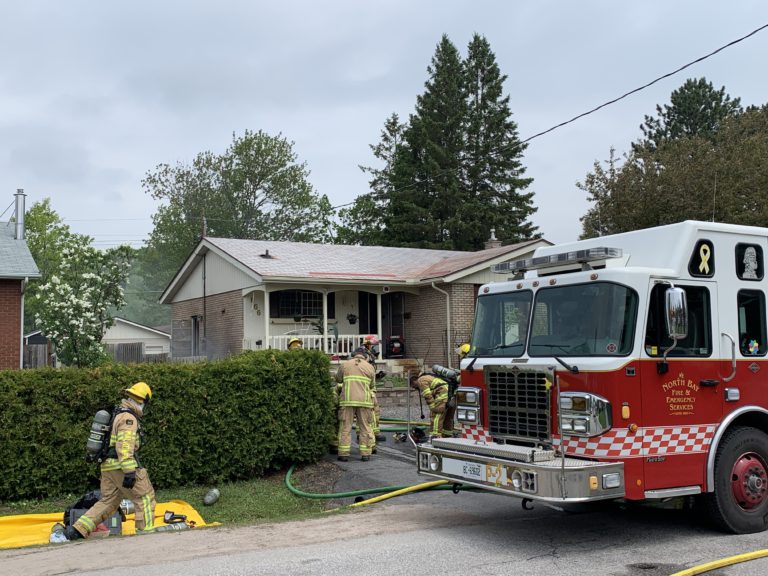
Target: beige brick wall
<point>426,328</point>
<point>222,323</point>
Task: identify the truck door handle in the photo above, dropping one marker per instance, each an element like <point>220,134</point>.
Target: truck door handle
<point>709,382</point>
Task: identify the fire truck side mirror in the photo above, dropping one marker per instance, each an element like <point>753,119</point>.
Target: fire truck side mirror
<point>677,313</point>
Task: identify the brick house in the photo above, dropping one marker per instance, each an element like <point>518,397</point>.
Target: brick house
<point>16,269</point>
<point>233,295</point>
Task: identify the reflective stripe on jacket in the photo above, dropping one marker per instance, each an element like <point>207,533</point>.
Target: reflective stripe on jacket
<point>357,377</point>
<point>126,442</point>
<point>434,390</point>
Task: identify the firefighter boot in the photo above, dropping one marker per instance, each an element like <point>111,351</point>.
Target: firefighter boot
<point>70,533</point>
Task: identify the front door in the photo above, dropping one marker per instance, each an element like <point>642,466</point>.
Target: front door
<point>393,323</point>
<point>368,317</point>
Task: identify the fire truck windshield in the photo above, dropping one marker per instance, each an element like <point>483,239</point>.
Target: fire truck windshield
<point>501,324</point>
<point>595,319</point>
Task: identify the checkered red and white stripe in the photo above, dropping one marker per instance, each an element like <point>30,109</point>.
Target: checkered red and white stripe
<point>621,443</point>
<point>475,432</point>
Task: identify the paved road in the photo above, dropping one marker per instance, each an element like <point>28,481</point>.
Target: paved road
<point>418,534</point>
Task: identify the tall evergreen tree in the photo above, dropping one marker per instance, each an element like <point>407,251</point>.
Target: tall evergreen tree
<point>493,171</point>
<point>455,171</point>
<point>428,168</point>
<point>695,109</point>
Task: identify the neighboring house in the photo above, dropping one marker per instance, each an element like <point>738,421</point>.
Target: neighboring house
<point>145,340</point>
<point>16,269</point>
<point>233,295</point>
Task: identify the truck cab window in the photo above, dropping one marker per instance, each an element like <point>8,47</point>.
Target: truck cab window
<point>752,334</point>
<point>501,324</point>
<point>699,339</point>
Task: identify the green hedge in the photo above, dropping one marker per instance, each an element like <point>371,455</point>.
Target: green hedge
<point>224,420</point>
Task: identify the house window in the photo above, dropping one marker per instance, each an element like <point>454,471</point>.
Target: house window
<point>300,303</point>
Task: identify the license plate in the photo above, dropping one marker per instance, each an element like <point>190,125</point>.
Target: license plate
<point>488,473</point>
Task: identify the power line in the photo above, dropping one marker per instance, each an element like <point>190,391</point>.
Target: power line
<point>512,147</point>
<point>644,86</point>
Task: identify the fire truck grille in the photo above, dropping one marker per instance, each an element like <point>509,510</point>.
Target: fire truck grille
<point>518,404</point>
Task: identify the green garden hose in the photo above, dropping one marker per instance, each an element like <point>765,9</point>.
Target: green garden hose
<point>382,489</point>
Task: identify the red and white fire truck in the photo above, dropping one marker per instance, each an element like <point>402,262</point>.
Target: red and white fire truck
<point>630,366</point>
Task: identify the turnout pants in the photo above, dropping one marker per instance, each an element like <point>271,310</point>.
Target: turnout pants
<point>364,433</point>
<point>442,420</point>
<point>112,492</point>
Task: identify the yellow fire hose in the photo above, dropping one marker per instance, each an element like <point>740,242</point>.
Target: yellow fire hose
<point>400,492</point>
<point>702,568</point>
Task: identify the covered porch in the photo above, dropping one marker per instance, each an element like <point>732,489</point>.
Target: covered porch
<point>333,319</point>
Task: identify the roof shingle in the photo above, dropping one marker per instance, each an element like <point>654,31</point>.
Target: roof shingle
<point>15,258</point>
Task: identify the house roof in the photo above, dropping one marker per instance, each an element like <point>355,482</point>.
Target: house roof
<point>288,261</point>
<point>15,258</point>
<point>155,331</point>
<point>329,261</point>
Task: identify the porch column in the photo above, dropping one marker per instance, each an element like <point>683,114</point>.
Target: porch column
<point>378,323</point>
<point>325,320</point>
<point>266,318</point>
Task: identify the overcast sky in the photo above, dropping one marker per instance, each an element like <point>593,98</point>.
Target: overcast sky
<point>95,94</point>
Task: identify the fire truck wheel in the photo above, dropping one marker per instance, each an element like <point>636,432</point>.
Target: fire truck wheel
<point>739,503</point>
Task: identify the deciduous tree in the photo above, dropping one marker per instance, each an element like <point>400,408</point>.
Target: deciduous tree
<point>256,189</point>
<point>75,301</point>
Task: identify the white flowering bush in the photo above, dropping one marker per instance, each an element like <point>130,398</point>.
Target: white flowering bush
<point>75,302</point>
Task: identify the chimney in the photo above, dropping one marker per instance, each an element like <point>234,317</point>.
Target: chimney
<point>20,211</point>
<point>492,242</point>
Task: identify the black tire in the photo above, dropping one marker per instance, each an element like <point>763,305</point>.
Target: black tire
<point>739,503</point>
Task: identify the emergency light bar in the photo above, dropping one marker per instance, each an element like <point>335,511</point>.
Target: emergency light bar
<point>562,259</point>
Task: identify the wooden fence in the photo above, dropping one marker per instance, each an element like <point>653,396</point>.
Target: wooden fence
<point>36,356</point>
<point>133,353</point>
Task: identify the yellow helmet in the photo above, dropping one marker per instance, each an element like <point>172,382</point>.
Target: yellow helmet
<point>140,391</point>
<point>462,350</point>
<point>294,343</point>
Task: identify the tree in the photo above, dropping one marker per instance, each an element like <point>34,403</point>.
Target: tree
<point>256,189</point>
<point>493,170</point>
<point>723,179</point>
<point>76,299</point>
<point>142,294</point>
<point>455,171</point>
<point>363,222</point>
<point>46,236</point>
<point>431,163</point>
<point>695,109</point>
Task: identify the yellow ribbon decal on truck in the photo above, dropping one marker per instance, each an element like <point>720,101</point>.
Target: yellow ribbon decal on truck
<point>704,253</point>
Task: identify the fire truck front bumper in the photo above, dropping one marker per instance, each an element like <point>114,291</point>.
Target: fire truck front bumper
<point>521,471</point>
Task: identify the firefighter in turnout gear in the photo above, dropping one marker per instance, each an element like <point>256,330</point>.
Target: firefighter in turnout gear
<point>370,344</point>
<point>357,377</point>
<point>435,391</point>
<point>122,476</point>
<point>295,344</point>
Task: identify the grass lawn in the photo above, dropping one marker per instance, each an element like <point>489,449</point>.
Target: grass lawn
<point>247,502</point>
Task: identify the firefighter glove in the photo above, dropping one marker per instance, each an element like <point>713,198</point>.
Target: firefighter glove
<point>129,480</point>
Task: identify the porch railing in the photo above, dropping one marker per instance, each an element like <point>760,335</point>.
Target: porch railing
<point>344,344</point>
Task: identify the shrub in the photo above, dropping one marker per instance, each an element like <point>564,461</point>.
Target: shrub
<point>223,420</point>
